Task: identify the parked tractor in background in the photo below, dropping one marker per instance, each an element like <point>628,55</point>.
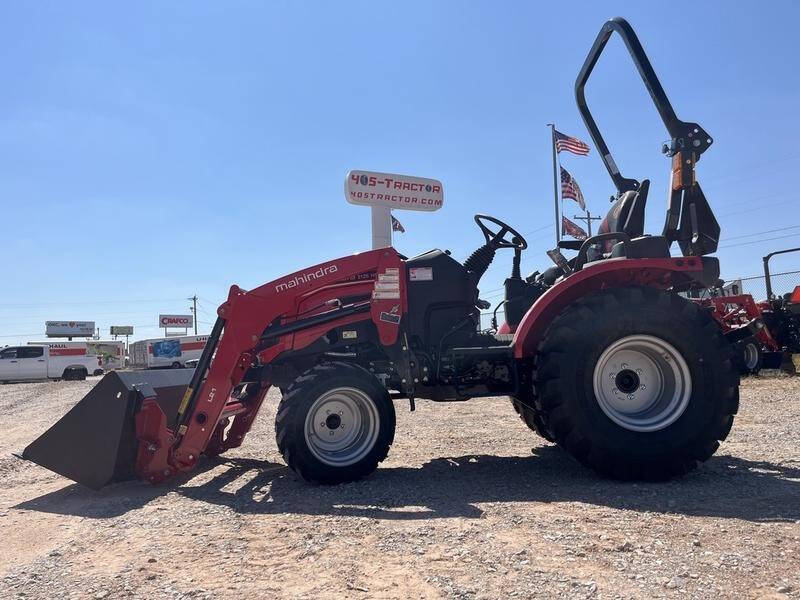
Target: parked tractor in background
<point>604,355</point>
<point>768,331</point>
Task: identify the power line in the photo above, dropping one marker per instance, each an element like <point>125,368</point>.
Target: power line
<point>736,237</point>
<point>90,303</point>
<point>712,182</point>
<point>759,207</point>
<point>778,237</point>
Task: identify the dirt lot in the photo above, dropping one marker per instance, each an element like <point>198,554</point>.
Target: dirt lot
<point>470,504</point>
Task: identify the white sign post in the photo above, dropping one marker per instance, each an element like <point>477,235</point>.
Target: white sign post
<point>384,192</point>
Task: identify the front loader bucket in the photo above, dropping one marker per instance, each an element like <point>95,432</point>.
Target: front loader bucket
<point>95,442</point>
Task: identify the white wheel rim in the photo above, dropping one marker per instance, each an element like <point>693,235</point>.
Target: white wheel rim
<point>750,356</point>
<point>642,383</point>
<point>342,426</point>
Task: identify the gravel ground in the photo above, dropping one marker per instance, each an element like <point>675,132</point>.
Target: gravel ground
<point>469,504</point>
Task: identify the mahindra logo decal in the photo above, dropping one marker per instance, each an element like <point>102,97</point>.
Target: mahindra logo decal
<point>305,278</point>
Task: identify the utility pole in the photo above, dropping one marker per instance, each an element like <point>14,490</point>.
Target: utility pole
<point>194,311</point>
<point>588,219</point>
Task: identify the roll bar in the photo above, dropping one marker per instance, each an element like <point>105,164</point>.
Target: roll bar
<point>679,131</point>
<point>767,276</point>
<point>690,220</point>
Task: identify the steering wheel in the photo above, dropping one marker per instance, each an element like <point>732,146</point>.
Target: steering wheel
<point>497,239</point>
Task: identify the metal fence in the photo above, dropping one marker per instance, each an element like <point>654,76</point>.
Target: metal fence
<point>782,283</point>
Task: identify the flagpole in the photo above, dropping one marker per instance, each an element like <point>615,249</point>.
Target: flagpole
<point>555,181</point>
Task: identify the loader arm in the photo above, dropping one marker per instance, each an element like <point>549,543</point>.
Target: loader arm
<point>155,424</point>
<point>253,328</point>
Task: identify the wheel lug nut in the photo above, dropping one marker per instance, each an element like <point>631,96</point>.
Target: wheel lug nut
<point>624,365</point>
<point>630,396</point>
<point>638,371</point>
<point>612,375</point>
<point>643,387</point>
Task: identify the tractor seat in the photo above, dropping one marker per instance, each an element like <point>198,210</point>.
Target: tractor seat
<point>645,246</point>
<point>627,213</point>
<point>627,216</point>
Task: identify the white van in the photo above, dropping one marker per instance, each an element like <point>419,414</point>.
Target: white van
<point>29,363</point>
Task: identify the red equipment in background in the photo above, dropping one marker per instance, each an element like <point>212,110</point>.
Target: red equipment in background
<point>768,330</point>
<point>734,312</point>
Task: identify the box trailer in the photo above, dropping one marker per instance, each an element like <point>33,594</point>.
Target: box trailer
<point>111,353</point>
<point>166,352</point>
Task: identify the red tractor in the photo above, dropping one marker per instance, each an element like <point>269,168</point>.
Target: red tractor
<point>768,332</point>
<point>604,356</point>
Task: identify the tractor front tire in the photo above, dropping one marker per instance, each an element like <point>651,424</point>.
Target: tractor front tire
<point>751,357</point>
<point>334,424</point>
<point>637,383</point>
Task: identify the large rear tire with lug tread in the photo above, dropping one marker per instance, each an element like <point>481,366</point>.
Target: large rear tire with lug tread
<point>530,413</point>
<point>637,383</point>
<point>334,424</point>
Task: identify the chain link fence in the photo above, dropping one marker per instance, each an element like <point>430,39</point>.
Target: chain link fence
<point>756,286</point>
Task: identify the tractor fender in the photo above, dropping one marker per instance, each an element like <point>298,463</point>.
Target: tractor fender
<point>659,273</point>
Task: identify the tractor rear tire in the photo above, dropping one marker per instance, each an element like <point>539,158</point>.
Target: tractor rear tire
<point>526,407</point>
<point>334,424</point>
<point>637,383</point>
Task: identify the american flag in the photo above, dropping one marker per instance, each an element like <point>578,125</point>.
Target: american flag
<point>570,228</point>
<point>397,226</point>
<point>570,188</point>
<point>570,144</point>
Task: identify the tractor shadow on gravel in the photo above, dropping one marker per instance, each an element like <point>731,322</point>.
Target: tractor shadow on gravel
<point>725,487</point>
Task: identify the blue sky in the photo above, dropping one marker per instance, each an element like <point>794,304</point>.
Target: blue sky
<point>156,150</point>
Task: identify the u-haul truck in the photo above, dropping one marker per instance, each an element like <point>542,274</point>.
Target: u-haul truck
<point>166,352</point>
<point>111,353</point>
<point>41,361</point>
